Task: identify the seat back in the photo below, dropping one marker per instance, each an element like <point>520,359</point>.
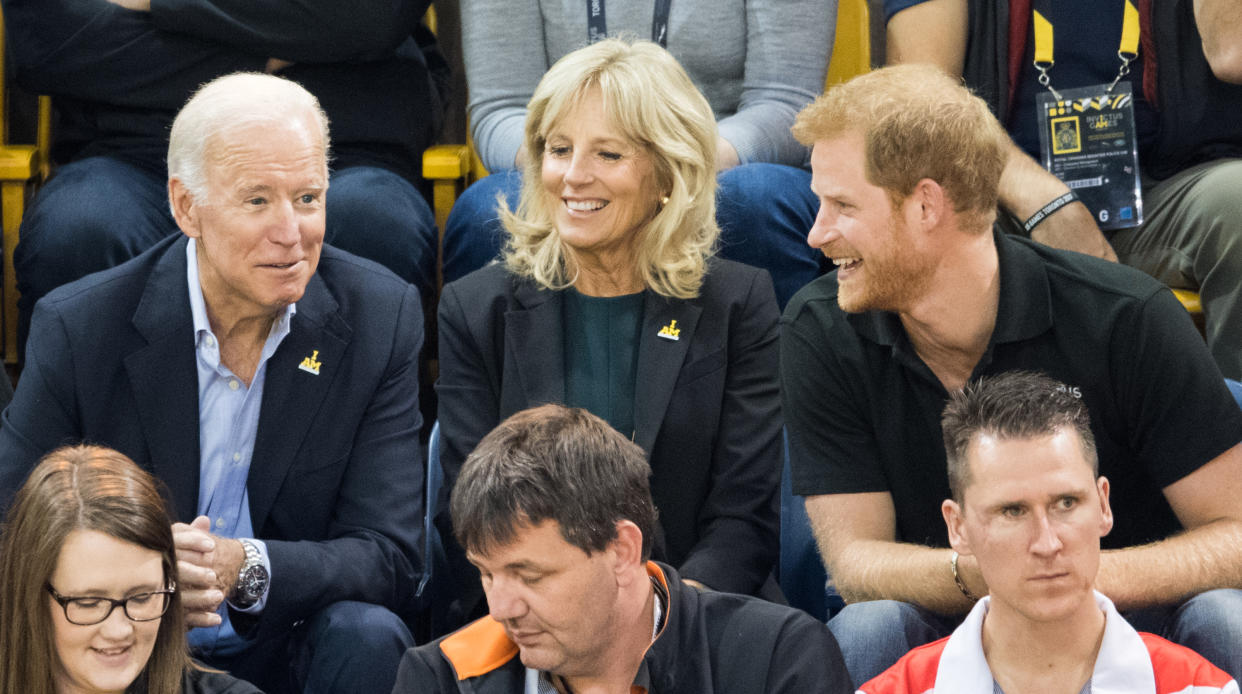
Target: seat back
<point>851,45</point>
<point>21,168</point>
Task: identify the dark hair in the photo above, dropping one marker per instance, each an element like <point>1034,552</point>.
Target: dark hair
<point>1012,405</point>
<point>79,488</point>
<point>553,463</point>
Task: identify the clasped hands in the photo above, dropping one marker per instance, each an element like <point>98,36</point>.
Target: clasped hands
<point>208,566</point>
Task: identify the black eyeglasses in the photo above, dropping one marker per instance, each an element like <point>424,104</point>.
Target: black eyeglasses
<point>85,611</point>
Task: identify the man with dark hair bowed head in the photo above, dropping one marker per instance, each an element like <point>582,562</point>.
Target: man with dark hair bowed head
<point>554,509</point>
<point>1029,506</point>
<point>270,381</point>
<point>926,297</point>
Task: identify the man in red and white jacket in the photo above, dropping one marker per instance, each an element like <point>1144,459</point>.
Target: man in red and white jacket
<point>1029,505</point>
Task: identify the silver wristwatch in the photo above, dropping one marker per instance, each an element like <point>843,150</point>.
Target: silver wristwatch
<point>252,578</point>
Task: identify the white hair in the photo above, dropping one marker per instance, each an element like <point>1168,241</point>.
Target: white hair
<point>228,104</point>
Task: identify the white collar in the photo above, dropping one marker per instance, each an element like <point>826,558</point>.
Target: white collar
<point>1123,665</point>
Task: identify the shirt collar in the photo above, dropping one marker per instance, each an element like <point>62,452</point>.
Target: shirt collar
<point>1123,665</point>
<point>1024,308</point>
<point>198,305</point>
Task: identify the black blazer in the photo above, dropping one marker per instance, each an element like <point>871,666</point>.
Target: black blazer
<point>336,478</point>
<point>707,407</point>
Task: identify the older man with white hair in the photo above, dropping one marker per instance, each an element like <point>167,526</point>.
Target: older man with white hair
<point>270,381</point>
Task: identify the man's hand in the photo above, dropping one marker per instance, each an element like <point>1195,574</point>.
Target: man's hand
<point>139,5</point>
<point>208,566</point>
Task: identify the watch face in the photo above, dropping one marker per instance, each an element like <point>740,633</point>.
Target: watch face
<point>252,582</point>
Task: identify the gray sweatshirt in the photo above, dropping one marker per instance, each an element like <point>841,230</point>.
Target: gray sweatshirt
<point>758,62</point>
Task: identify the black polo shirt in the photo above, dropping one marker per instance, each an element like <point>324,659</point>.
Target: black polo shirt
<point>863,410</point>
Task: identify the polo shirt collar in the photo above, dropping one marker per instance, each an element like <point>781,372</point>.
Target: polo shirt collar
<point>1023,312</point>
<point>1025,308</point>
<point>1122,666</point>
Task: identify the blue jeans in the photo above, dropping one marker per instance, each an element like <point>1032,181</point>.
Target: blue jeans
<point>764,212</point>
<point>101,211</point>
<point>345,647</point>
<point>874,635</point>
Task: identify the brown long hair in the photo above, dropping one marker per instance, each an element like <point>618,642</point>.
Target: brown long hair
<point>79,488</point>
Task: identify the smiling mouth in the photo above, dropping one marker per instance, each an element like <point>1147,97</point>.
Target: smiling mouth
<point>585,205</point>
<point>112,652</point>
<point>846,263</point>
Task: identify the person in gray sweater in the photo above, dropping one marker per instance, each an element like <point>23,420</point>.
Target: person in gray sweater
<point>758,62</point>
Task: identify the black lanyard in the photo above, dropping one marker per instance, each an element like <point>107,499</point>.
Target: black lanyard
<point>597,25</point>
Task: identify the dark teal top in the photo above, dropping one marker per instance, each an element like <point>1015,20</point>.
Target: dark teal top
<point>601,355</point>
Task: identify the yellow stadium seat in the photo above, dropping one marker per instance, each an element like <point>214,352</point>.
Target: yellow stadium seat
<point>21,168</point>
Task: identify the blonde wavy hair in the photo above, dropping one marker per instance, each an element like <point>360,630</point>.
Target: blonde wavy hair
<point>652,102</point>
<point>917,122</point>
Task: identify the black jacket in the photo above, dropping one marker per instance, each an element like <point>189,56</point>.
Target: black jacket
<point>711,643</point>
<point>120,76</point>
<point>706,410</point>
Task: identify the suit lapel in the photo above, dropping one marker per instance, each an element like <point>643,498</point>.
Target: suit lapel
<point>534,347</point>
<point>292,395</point>
<point>659,361</point>
<point>164,380</point>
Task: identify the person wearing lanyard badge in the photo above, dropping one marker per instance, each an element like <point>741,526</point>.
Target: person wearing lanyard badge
<point>1185,82</point>
<point>757,62</point>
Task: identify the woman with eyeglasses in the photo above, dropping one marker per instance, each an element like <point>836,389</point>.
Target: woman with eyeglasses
<point>88,584</point>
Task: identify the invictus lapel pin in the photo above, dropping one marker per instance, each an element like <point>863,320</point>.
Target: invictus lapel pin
<point>670,331</point>
<point>311,364</point>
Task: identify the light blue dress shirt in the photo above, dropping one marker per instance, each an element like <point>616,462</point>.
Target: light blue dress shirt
<point>228,419</point>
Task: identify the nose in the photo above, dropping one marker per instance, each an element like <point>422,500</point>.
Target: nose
<point>824,230</point>
<point>117,626</point>
<point>504,601</point>
<point>284,227</point>
<point>1046,541</point>
<point>578,171</point>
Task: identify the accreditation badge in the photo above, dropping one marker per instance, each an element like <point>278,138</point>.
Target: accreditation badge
<point>1087,140</point>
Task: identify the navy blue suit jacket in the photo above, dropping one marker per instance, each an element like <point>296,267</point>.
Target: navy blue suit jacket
<point>336,477</point>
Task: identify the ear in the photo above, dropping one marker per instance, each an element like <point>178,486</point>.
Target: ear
<point>627,550</point>
<point>1106,511</point>
<point>184,208</point>
<point>929,204</point>
<point>953,520</point>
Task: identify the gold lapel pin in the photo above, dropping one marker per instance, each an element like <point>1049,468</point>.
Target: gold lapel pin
<point>311,364</point>
<point>670,331</point>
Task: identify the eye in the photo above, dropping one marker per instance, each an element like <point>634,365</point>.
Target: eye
<point>87,603</point>
<point>1066,503</point>
<point>558,150</point>
<point>141,598</point>
<point>308,198</point>
<point>1012,511</point>
<point>610,156</point>
<point>255,202</point>
<point>530,579</point>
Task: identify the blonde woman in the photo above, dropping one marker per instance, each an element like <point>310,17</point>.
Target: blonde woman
<point>609,298</point>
